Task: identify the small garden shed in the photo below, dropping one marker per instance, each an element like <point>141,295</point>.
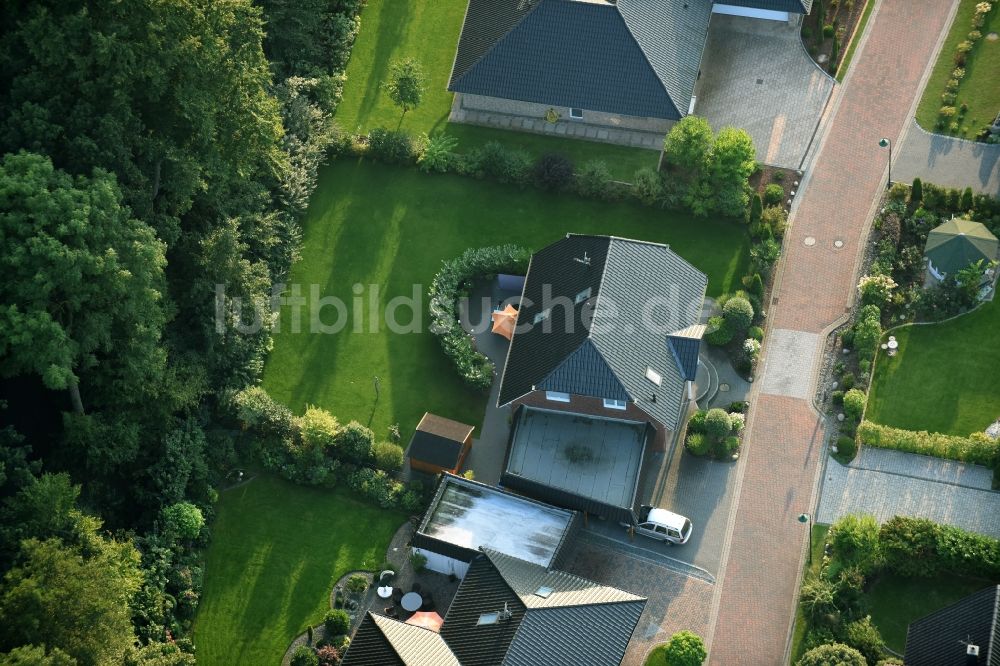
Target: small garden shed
<point>957,244</point>
<point>439,445</point>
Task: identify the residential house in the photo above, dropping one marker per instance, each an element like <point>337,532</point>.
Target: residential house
<point>965,633</point>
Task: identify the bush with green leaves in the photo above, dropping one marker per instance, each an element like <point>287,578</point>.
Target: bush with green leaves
<point>256,410</point>
<point>832,654</point>
<point>552,172</point>
<point>354,442</point>
<point>182,520</point>
<point>754,212</point>
<point>847,446</point>
<point>854,404</point>
<point>418,561</point>
<point>876,289</point>
<point>775,219</point>
<point>817,597</point>
<point>977,448</point>
<point>497,161</point>
<point>438,155</point>
<point>718,424</point>
<point>328,655</point>
<point>337,622</point>
<point>697,421</point>
<point>304,656</point>
<point>773,194</point>
<point>867,334</point>
<point>593,180</point>
<point>719,332</point>
<point>864,637</point>
<point>854,540</point>
<point>755,333</point>
<point>318,429</point>
<point>647,185</point>
<point>390,146</point>
<point>685,648</point>
<point>449,285</point>
<point>738,314</point>
<point>388,456</point>
<point>698,444</point>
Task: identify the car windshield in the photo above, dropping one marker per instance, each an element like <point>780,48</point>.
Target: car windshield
<point>687,527</point>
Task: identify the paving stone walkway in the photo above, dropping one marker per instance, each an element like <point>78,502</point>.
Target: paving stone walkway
<point>785,442</point>
<point>947,161</point>
<point>889,483</point>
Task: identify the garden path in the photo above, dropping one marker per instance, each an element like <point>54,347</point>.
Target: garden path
<point>889,483</point>
<point>784,445</point>
<point>947,161</point>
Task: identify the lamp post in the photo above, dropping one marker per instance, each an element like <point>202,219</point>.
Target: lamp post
<point>804,519</point>
<point>886,143</point>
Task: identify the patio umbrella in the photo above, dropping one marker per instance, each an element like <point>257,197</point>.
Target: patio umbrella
<point>504,321</point>
<point>427,620</point>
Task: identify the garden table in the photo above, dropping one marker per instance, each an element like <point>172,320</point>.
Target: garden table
<point>412,601</point>
<point>385,591</point>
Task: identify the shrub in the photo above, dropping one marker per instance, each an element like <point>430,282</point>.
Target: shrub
<point>847,381</point>
<point>837,397</point>
<point>819,635</point>
<point>318,429</point>
<point>717,423</point>
<point>304,656</point>
<point>493,159</point>
<point>756,333</point>
<point>438,155</point>
<point>648,186</point>
<point>357,584</point>
<point>336,622</point>
<point>390,146</point>
<point>755,211</point>
<point>917,192</point>
<point>354,441</point>
<point>855,542</point>
<point>418,561</point>
<point>773,194</point>
<point>965,203</point>
<point>553,172</point>
<point>964,46</point>
<point>737,418</point>
<point>685,648</point>
<point>864,637</point>
<point>182,520</point>
<point>977,448</point>
<point>846,446</point>
<point>688,144</point>
<point>854,404</point>
<point>876,289</point>
<point>594,180</point>
<point>445,291</point>
<point>388,456</point>
<point>867,334</point>
<point>719,332</point>
<point>775,218</point>
<point>817,597</point>
<point>698,444</point>
<point>974,35</point>
<point>257,410</point>
<point>731,444</point>
<point>697,421</point>
<point>832,654</point>
<point>738,314</point>
<point>328,655</point>
<point>828,31</point>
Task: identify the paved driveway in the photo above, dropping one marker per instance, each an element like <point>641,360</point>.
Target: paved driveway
<point>947,161</point>
<point>757,75</point>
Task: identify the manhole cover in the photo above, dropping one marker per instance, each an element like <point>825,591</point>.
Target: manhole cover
<point>809,241</point>
<point>838,243</point>
<point>993,36</point>
<point>760,81</point>
<point>724,388</point>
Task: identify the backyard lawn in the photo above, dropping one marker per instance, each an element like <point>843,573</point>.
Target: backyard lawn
<point>370,224</point>
<point>428,32</point>
<point>896,601</point>
<point>979,88</point>
<point>277,549</point>
<point>944,377</point>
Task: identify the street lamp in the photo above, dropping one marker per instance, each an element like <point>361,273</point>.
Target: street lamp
<point>886,143</point>
<point>804,519</point>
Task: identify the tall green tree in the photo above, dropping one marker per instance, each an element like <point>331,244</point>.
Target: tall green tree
<point>405,86</point>
<point>688,145</point>
<point>731,163</point>
<point>83,282</point>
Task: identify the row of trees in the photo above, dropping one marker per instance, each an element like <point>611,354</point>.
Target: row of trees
<point>150,152</point>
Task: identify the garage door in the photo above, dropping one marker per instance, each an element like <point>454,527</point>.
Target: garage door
<point>752,13</point>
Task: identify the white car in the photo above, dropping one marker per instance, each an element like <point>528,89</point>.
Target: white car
<point>663,525</point>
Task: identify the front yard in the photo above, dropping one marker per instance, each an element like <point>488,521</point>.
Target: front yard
<point>371,224</point>
<point>428,32</point>
<point>943,378</point>
<point>277,549</point>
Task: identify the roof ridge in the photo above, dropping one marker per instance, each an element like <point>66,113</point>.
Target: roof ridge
<point>663,84</point>
<point>535,4</point>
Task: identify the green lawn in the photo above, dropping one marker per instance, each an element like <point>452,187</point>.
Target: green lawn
<point>372,224</point>
<point>979,88</point>
<point>812,568</point>
<point>896,601</point>
<point>428,32</point>
<point>277,549</point>
<point>944,377</point>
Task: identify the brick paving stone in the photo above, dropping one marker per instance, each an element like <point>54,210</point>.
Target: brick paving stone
<point>924,467</point>
<point>788,367</point>
<point>785,444</point>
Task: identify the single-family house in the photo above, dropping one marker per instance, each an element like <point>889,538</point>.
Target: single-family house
<point>600,368</point>
<point>629,64</point>
<point>965,633</point>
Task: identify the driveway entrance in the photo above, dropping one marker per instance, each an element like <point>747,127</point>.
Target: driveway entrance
<point>757,75</point>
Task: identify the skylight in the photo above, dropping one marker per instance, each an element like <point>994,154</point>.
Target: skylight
<point>543,592</point>
<point>582,296</point>
<point>653,376</point>
<point>488,618</point>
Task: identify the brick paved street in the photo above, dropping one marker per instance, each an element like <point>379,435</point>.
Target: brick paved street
<point>784,446</point>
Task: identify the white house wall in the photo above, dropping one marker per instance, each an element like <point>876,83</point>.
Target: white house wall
<point>442,564</point>
<point>513,107</point>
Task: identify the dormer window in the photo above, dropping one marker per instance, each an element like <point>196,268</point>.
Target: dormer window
<point>582,296</point>
<point>653,376</point>
<point>542,316</point>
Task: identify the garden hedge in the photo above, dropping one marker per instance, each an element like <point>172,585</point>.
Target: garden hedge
<point>453,282</point>
<point>919,547</point>
<point>977,448</point>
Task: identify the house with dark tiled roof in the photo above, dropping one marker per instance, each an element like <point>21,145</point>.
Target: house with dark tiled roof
<point>600,369</point>
<point>510,612</point>
<point>965,633</point>
<point>623,64</point>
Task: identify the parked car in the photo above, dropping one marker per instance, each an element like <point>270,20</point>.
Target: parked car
<point>663,525</point>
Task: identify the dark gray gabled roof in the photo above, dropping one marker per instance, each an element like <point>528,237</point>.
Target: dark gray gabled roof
<point>940,639</point>
<point>636,57</point>
<point>639,294</point>
<point>793,6</point>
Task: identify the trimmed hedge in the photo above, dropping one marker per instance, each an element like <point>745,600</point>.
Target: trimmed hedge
<point>453,282</point>
<point>977,448</point>
<point>919,547</point>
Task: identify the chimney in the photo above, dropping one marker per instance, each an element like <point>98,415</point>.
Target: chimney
<point>972,655</point>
